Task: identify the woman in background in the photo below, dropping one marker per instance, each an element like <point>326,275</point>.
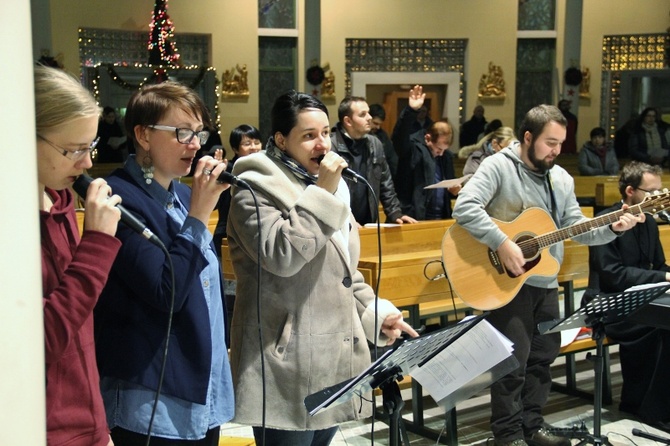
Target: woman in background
<point>166,122</point>
<point>597,156</point>
<point>317,311</point>
<point>244,140</point>
<point>649,141</point>
<point>490,144</point>
<point>74,268</point>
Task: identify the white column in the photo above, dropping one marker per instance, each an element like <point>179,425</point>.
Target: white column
<point>22,413</point>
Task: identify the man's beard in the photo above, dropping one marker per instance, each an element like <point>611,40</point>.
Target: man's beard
<point>541,165</point>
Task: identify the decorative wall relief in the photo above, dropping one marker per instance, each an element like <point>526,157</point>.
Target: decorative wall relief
<point>234,82</point>
<point>585,85</point>
<point>492,85</point>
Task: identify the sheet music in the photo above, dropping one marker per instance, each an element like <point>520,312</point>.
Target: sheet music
<point>476,352</point>
<point>450,183</point>
<point>645,286</point>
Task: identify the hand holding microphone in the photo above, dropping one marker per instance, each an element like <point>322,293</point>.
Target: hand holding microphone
<point>346,172</point>
<point>331,168</point>
<point>81,187</point>
<point>101,211</point>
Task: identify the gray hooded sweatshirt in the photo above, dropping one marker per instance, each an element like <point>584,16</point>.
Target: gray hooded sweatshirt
<point>503,187</point>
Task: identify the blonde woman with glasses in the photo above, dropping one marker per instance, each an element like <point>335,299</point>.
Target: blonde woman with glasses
<point>74,268</point>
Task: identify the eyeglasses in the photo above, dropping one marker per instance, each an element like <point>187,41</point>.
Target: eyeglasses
<point>184,136</point>
<point>646,190</point>
<point>74,155</point>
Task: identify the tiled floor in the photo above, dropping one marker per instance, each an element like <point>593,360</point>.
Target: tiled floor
<point>473,425</point>
<point>473,415</point>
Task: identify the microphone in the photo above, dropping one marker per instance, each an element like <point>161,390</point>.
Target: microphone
<point>346,173</point>
<point>81,187</point>
<point>227,177</point>
<point>647,435</point>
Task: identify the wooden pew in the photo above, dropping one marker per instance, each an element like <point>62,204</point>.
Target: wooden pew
<point>585,186</point>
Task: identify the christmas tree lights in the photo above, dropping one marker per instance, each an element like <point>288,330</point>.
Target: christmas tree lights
<point>162,47</point>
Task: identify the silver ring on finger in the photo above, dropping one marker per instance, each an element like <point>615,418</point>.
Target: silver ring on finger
<point>206,172</point>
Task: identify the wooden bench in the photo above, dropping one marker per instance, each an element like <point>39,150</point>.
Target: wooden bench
<point>585,187</point>
<point>570,387</point>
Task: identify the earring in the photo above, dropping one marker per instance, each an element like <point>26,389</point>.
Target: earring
<point>147,169</point>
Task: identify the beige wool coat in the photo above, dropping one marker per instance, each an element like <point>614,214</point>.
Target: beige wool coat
<point>316,310</point>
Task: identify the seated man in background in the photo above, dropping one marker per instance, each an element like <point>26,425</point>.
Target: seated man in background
<point>365,156</point>
<point>597,156</point>
<point>636,257</point>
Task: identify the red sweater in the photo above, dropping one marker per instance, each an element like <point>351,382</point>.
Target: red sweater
<point>74,271</point>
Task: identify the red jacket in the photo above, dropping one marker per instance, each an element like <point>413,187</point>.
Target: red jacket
<point>74,272</point>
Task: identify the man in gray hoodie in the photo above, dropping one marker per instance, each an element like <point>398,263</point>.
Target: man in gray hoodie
<point>504,186</point>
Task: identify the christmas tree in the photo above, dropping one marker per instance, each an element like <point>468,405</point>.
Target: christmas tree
<point>162,47</point>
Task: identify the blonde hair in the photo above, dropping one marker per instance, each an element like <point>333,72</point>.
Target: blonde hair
<point>501,135</point>
<point>59,98</point>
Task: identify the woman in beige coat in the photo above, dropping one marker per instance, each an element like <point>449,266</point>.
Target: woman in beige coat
<point>316,312</point>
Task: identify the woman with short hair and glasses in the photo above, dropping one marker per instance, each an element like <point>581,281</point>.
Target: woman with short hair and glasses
<point>74,267</point>
<point>166,122</point>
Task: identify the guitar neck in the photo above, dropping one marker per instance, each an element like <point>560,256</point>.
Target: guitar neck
<point>560,235</point>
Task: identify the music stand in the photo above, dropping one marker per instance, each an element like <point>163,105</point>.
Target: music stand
<point>597,314</point>
<point>391,367</point>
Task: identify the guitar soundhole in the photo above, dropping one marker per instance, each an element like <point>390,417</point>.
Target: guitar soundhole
<point>530,249</point>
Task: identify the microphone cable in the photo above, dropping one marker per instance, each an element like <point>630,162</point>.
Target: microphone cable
<point>443,275</point>
<point>259,275</point>
<point>167,342</point>
<point>376,291</point>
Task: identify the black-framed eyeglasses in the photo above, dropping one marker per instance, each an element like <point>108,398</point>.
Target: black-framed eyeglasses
<point>184,136</point>
<point>74,155</point>
<point>646,190</point>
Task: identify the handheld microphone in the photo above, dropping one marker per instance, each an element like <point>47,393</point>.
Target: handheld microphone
<point>81,187</point>
<point>346,173</point>
<point>647,435</point>
<point>227,177</point>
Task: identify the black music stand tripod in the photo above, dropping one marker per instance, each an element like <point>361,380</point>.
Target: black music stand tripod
<point>603,310</point>
<point>388,369</point>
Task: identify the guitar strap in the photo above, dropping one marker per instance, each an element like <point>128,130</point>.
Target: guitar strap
<point>554,207</point>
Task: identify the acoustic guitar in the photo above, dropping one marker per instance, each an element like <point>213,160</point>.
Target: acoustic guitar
<point>478,275</point>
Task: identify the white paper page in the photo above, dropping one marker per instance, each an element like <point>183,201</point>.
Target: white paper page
<point>449,183</point>
<point>475,352</point>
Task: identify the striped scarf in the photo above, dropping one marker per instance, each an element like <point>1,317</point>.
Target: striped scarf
<point>300,172</point>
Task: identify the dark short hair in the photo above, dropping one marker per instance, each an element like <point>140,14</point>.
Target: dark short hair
<point>241,131</point>
<point>539,116</point>
<point>345,106</point>
<point>598,131</point>
<point>107,110</point>
<point>377,111</point>
<point>632,173</point>
<point>492,126</point>
<point>285,110</point>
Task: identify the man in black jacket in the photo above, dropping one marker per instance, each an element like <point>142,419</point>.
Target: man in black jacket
<point>635,258</point>
<point>365,155</point>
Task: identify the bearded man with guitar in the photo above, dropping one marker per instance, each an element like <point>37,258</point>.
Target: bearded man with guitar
<point>513,182</point>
